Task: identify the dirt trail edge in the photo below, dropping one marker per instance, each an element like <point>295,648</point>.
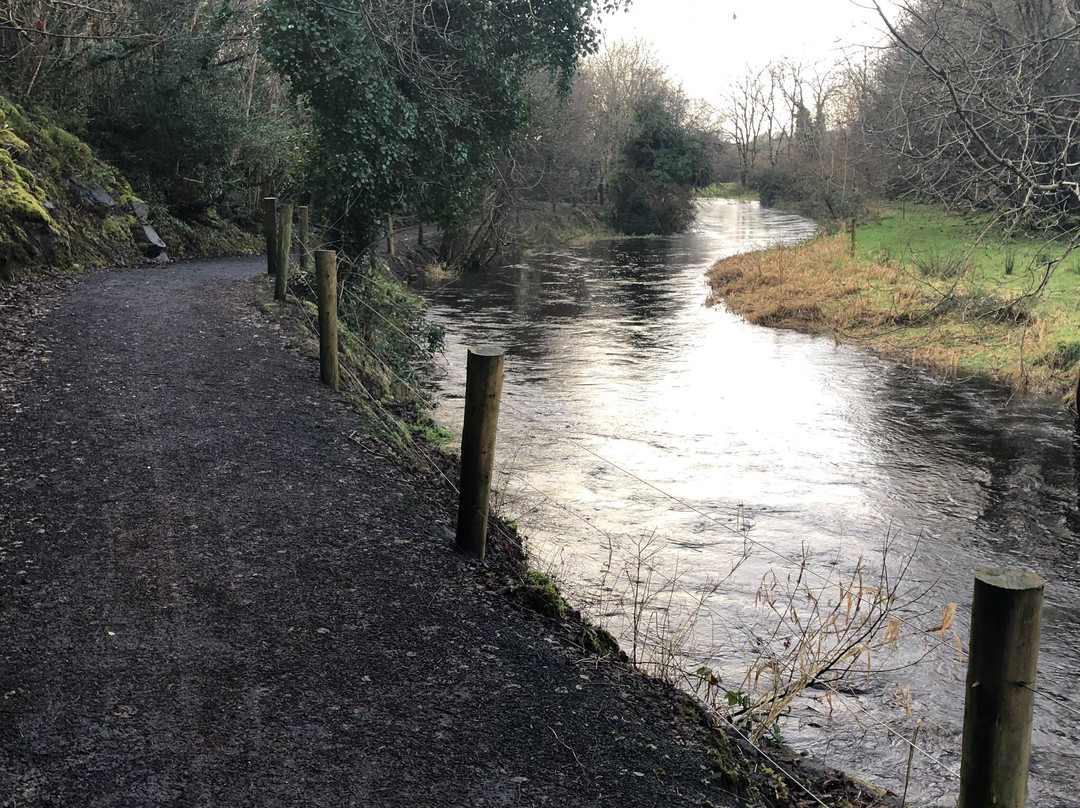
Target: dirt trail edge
<point>210,596</point>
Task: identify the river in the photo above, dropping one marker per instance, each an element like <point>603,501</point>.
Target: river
<point>661,453</point>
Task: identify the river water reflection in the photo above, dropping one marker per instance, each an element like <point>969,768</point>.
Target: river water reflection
<point>632,413</point>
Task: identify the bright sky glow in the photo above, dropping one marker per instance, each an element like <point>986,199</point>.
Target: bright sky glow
<point>708,43</point>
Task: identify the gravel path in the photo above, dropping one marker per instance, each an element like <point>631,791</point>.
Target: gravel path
<point>210,596</point>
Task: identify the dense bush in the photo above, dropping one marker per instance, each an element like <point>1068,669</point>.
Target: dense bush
<point>659,167</point>
<point>171,92</point>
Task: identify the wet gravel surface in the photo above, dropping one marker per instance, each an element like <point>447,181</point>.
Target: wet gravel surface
<point>210,596</point>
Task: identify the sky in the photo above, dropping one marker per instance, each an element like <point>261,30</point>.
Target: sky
<point>707,43</point>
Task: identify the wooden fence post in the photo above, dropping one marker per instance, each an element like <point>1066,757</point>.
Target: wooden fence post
<point>852,236</point>
<point>390,236</point>
<point>284,242</point>
<point>1005,620</point>
<point>270,226</point>
<point>303,237</point>
<point>326,286</point>
<point>483,389</point>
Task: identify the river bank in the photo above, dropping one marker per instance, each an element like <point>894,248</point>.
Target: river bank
<point>639,426</point>
<point>918,288</point>
<point>402,433</point>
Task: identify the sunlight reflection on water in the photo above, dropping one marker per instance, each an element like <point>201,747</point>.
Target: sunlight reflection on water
<point>619,382</point>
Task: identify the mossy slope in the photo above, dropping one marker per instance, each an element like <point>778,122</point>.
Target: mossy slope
<point>48,217</point>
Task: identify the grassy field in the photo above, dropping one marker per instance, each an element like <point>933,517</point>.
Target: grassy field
<point>928,288</point>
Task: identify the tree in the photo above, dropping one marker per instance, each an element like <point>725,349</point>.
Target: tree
<point>660,165</point>
<point>980,103</point>
<point>171,90</point>
<point>414,101</point>
<point>797,130</point>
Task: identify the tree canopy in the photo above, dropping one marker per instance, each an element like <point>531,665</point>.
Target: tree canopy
<point>412,101</point>
<point>981,104</point>
<point>659,166</point>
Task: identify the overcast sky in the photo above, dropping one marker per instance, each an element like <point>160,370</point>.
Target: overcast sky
<point>706,43</point>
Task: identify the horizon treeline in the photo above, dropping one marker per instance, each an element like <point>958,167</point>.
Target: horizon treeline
<point>456,113</point>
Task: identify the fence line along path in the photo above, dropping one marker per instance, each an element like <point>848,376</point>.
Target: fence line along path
<point>210,595</point>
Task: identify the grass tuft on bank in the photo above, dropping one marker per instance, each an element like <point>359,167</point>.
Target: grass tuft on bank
<point>927,288</point>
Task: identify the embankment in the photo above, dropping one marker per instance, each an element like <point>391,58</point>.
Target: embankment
<point>918,291</point>
<point>63,208</point>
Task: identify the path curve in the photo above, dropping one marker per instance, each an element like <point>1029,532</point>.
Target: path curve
<point>210,596</point>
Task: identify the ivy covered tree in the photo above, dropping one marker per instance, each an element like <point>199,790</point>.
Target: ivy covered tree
<point>661,164</point>
<point>413,101</point>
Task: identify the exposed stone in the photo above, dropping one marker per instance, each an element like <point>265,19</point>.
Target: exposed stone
<point>147,235</point>
<point>91,193</point>
<point>141,210</point>
<point>150,243</point>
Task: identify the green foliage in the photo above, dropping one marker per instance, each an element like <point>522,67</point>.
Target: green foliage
<point>177,123</point>
<point>17,198</point>
<point>384,332</point>
<point>169,91</point>
<point>539,593</point>
<point>934,265</point>
<point>600,641</point>
<point>42,220</point>
<point>661,164</point>
<point>411,106</point>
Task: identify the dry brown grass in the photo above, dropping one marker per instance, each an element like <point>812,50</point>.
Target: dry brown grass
<point>953,326</point>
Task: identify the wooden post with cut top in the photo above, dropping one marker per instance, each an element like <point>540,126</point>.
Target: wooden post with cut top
<point>326,287</point>
<point>303,238</point>
<point>284,242</point>
<point>483,390</point>
<point>270,227</point>
<point>1006,614</point>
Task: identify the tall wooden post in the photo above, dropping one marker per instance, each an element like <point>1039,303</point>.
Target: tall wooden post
<point>270,227</point>
<point>483,389</point>
<point>326,287</point>
<point>852,236</point>
<point>284,242</point>
<point>419,234</point>
<point>1005,620</point>
<point>390,236</point>
<point>303,238</point>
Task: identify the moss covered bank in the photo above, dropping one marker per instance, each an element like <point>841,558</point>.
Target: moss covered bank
<point>63,208</point>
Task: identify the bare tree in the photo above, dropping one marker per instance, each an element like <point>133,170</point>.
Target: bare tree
<point>981,104</point>
<point>746,119</point>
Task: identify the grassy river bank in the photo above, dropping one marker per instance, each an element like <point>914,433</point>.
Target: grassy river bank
<point>928,288</point>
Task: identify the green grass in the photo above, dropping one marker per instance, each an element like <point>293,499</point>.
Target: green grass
<point>922,237</point>
<point>928,287</point>
<point>920,232</point>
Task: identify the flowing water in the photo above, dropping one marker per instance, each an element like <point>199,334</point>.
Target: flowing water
<point>638,423</point>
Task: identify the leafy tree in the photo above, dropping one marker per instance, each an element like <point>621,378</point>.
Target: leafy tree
<point>171,90</point>
<point>660,165</point>
<point>412,102</point>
